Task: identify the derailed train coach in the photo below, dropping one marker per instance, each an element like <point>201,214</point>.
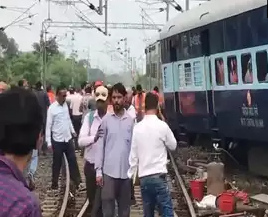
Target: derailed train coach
<point>214,66</point>
<point>153,64</point>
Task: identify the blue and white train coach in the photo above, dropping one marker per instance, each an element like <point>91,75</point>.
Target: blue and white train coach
<point>214,66</point>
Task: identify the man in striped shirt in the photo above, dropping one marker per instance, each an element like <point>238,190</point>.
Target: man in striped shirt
<point>20,129</point>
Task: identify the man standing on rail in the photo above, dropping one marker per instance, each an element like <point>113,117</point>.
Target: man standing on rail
<point>76,115</point>
<point>20,129</point>
<point>87,139</point>
<point>111,159</point>
<point>44,103</point>
<point>139,102</point>
<point>150,158</point>
<point>59,133</point>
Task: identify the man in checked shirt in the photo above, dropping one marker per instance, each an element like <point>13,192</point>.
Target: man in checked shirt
<point>20,132</point>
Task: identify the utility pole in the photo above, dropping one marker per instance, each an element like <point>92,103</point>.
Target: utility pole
<point>167,10</point>
<point>187,5</point>
<point>125,55</point>
<point>106,18</point>
<point>88,61</point>
<point>73,59</point>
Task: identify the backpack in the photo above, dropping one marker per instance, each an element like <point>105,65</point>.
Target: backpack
<point>91,117</point>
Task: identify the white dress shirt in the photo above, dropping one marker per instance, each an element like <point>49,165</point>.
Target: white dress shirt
<point>131,112</point>
<point>87,135</point>
<point>59,123</point>
<point>150,140</point>
<point>75,102</point>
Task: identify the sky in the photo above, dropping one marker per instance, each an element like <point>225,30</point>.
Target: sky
<point>89,43</point>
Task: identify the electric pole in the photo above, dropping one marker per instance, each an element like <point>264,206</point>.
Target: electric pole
<point>125,55</point>
<point>73,58</point>
<point>167,10</point>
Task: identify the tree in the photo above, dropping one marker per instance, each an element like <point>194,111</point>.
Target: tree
<point>15,65</point>
<point>51,46</point>
<point>8,45</point>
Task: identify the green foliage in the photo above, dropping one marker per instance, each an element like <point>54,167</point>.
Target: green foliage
<point>15,65</point>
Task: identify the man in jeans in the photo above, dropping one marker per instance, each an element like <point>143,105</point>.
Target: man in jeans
<point>31,169</point>
<point>149,156</point>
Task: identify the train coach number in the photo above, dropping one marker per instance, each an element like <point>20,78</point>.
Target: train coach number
<point>195,40</point>
<point>250,117</point>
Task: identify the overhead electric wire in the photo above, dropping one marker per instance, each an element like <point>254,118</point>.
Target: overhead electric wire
<point>90,5</point>
<point>19,18</point>
<point>83,17</point>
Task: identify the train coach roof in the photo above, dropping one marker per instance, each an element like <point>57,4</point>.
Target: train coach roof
<point>153,40</point>
<point>206,13</point>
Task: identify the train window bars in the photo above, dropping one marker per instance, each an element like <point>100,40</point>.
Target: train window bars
<point>188,74</point>
<point>219,70</point>
<point>262,66</point>
<point>181,76</point>
<point>197,71</point>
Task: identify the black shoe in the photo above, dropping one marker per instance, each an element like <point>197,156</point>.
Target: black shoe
<point>54,187</point>
<point>133,202</point>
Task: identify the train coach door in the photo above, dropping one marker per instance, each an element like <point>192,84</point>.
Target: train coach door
<point>205,42</point>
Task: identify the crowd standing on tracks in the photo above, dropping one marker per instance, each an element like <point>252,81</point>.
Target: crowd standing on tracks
<point>108,124</point>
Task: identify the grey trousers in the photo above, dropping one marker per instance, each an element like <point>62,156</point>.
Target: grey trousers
<point>118,190</point>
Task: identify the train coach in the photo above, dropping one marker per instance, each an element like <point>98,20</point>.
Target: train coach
<point>153,64</point>
<point>214,68</point>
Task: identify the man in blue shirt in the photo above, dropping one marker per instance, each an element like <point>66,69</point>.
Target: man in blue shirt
<point>20,129</point>
<point>112,153</point>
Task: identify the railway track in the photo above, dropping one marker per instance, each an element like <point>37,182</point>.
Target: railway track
<point>182,203</point>
<point>65,202</point>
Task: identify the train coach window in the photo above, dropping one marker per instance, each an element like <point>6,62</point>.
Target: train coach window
<point>246,65</point>
<point>262,66</point>
<point>197,71</point>
<point>181,76</point>
<point>188,74</point>
<point>219,70</point>
<point>232,70</point>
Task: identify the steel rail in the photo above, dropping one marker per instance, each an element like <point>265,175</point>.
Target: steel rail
<point>67,188</point>
<point>83,210</point>
<point>182,186</point>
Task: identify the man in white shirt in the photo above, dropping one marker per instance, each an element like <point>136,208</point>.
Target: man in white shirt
<point>75,102</point>
<point>128,105</point>
<point>149,156</point>
<point>59,133</point>
<point>132,113</point>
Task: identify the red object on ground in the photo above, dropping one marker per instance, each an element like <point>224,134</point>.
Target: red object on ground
<point>197,189</point>
<point>226,202</point>
<point>240,195</point>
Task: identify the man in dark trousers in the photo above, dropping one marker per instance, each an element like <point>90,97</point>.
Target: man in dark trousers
<point>59,133</point>
<point>44,103</point>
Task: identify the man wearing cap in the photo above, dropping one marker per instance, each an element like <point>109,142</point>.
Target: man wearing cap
<point>87,139</point>
<point>98,83</point>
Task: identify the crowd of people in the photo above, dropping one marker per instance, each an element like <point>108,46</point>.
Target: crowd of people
<point>107,124</point>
